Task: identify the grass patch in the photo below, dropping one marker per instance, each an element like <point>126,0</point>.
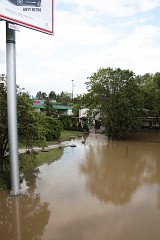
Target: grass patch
<point>48,157</point>
<point>33,160</point>
<point>65,135</point>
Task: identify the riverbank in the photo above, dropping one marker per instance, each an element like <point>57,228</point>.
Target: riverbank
<point>46,149</point>
<point>65,137</point>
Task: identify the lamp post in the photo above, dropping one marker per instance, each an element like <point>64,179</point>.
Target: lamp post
<point>72,91</point>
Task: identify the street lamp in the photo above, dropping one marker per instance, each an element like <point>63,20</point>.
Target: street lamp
<point>72,91</point>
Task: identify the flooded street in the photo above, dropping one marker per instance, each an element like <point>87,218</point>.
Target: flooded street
<point>100,190</point>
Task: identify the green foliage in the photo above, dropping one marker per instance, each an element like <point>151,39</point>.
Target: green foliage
<point>115,95</point>
<point>80,128</point>
<point>53,128</point>
<point>5,182</point>
<point>3,118</point>
<point>31,129</point>
<point>41,95</point>
<point>74,127</point>
<point>49,109</point>
<point>150,87</point>
<point>66,121</point>
<point>85,127</point>
<point>64,98</point>
<point>78,102</point>
<point>52,95</point>
<point>27,161</point>
<point>69,122</point>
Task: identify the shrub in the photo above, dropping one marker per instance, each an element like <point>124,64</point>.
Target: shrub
<point>53,128</point>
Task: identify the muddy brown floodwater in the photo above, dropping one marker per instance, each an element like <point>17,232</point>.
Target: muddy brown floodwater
<point>100,190</point>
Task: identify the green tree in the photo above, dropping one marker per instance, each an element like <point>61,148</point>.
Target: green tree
<point>41,95</point>
<point>49,109</point>
<point>150,87</point>
<point>52,95</point>
<point>3,118</point>
<point>53,128</point>
<point>66,121</point>
<point>64,98</point>
<point>114,95</point>
<point>78,102</point>
<point>156,82</point>
<point>146,85</point>
<point>31,129</point>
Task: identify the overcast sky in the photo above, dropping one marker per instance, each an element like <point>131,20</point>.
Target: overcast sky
<point>88,34</point>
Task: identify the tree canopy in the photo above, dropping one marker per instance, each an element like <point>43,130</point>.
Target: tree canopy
<point>41,95</point>
<point>150,88</point>
<point>115,96</point>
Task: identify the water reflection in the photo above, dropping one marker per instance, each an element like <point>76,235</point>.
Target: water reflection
<point>97,190</point>
<point>117,169</point>
<point>23,217</point>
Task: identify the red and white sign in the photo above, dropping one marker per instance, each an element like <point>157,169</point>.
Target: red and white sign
<point>34,14</point>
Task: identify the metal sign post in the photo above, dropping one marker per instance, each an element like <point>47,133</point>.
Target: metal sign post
<point>12,109</point>
<point>37,17</point>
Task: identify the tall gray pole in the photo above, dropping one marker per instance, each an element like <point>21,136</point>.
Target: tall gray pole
<point>72,92</point>
<point>12,109</point>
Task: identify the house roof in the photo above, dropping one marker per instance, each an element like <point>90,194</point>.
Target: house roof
<point>39,104</point>
<point>62,107</point>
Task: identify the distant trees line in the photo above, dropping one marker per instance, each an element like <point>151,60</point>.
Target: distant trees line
<point>62,97</point>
